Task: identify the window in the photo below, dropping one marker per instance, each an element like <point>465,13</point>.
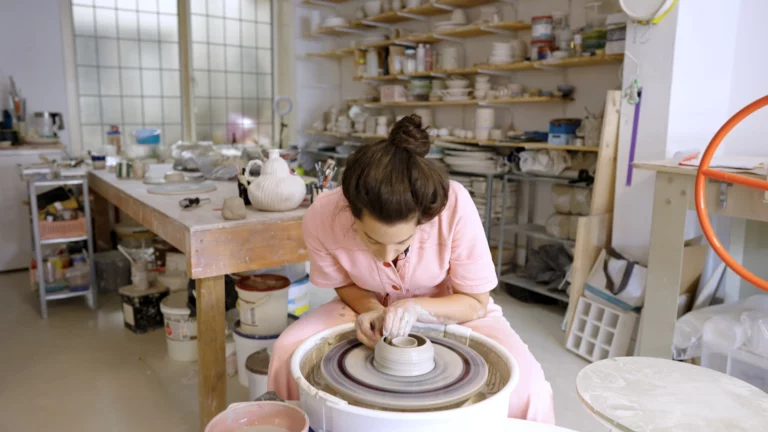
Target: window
<point>232,67</point>
<point>129,74</point>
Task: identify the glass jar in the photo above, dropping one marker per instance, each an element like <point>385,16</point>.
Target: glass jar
<point>410,61</point>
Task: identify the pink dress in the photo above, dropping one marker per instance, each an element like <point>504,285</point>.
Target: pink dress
<point>449,251</point>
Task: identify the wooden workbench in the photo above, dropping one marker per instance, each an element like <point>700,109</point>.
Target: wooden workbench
<point>673,197</point>
<point>213,247</point>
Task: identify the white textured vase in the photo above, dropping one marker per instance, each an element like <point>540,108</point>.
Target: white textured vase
<point>276,189</point>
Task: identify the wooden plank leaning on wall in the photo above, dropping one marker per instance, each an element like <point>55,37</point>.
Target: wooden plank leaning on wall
<point>594,231</point>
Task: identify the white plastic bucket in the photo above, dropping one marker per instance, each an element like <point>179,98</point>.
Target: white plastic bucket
<point>180,329</point>
<point>247,344</point>
<point>298,297</point>
<point>257,366</point>
<point>263,302</point>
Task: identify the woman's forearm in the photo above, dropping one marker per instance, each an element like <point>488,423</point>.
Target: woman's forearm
<point>360,300</point>
<point>451,309</point>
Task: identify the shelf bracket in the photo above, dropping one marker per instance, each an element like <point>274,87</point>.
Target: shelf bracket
<point>378,24</point>
<point>448,38</point>
<point>541,66</point>
<point>438,75</point>
<point>497,31</point>
<point>403,77</point>
<point>414,17</point>
<point>443,7</point>
<point>405,43</point>
<point>495,72</point>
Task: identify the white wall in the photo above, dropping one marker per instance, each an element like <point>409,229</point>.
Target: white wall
<point>649,58</point>
<point>31,51</point>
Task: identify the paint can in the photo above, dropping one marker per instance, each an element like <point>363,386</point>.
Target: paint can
<point>180,328</point>
<point>247,344</point>
<point>298,297</point>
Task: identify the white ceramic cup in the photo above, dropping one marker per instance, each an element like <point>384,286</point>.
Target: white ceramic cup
<point>459,16</point>
<point>413,3</point>
<point>495,134</point>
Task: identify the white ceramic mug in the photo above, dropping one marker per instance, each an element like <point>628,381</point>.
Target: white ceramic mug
<point>459,16</point>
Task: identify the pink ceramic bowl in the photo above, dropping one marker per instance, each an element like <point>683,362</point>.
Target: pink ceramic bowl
<point>238,417</point>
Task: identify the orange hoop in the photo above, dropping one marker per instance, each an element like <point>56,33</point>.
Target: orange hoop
<point>705,172</point>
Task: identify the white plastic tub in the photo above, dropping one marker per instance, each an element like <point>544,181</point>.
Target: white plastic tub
<point>247,344</point>
<point>298,297</point>
<point>330,413</point>
<point>263,305</point>
<point>180,329</point>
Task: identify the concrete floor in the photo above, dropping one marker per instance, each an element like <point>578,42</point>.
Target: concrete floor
<point>81,370</point>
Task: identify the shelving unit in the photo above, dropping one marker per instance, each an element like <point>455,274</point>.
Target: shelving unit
<point>91,293</point>
<point>593,230</point>
<point>507,101</point>
<point>541,65</point>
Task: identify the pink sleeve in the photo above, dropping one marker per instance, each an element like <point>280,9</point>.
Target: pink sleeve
<point>324,269</point>
<point>472,270</point>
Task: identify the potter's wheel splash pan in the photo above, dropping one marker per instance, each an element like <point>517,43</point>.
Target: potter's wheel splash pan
<point>331,412</point>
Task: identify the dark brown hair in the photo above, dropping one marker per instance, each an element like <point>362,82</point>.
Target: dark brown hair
<point>392,180</point>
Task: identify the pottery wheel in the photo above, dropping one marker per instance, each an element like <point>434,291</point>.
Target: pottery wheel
<point>458,374</point>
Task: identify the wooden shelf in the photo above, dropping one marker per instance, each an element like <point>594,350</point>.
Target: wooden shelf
<point>507,101</point>
<point>326,133</point>
<point>539,232</point>
<point>376,78</point>
<point>425,10</point>
<point>465,141</point>
<point>369,136</point>
<point>519,66</point>
<point>547,64</point>
<point>478,30</point>
<point>544,146</point>
<point>340,53</point>
<point>320,3</point>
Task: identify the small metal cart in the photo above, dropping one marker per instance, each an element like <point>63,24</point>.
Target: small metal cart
<point>40,177</point>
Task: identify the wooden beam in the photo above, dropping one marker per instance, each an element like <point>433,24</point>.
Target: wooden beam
<point>185,65</point>
<point>211,373</point>
<point>593,234</point>
<point>605,171</point>
<point>247,247</point>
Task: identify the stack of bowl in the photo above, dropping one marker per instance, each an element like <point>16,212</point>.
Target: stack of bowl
<point>458,89</point>
<point>482,86</point>
<point>501,53</point>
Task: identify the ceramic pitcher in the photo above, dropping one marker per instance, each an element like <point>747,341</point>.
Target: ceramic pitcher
<point>276,189</point>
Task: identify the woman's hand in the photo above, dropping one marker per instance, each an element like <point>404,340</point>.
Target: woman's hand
<point>400,316</point>
<point>370,327</point>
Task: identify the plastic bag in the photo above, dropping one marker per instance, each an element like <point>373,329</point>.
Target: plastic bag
<point>687,340</point>
<point>561,198</point>
<point>559,226</point>
<point>580,201</point>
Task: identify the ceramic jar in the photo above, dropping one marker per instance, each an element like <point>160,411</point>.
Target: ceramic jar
<point>276,189</point>
<point>410,355</point>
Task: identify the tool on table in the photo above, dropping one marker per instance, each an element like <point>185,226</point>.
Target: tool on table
<point>192,202</point>
<point>325,172</point>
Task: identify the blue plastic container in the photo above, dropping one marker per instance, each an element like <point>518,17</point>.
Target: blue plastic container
<point>564,126</point>
<point>147,136</point>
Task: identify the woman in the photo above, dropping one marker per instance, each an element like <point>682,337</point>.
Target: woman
<point>401,243</point>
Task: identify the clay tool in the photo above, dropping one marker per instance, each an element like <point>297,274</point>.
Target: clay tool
<point>187,203</point>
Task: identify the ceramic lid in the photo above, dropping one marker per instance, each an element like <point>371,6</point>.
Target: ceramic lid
<point>258,362</point>
<point>175,304</point>
<point>263,282</point>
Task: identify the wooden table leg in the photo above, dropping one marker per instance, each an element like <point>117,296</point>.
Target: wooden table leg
<point>665,263</point>
<point>212,387</point>
<point>101,232</point>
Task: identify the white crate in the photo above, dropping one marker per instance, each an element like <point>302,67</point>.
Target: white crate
<point>599,332</point>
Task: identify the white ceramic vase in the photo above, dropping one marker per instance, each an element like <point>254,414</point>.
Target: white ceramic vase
<point>276,189</point>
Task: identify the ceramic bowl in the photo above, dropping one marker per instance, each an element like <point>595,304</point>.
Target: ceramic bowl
<point>455,92</point>
<point>457,83</point>
<point>411,355</point>
<point>268,415</point>
<point>372,8</point>
<point>566,89</point>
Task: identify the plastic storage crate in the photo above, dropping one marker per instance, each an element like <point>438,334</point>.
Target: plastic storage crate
<point>63,229</point>
<point>599,332</point>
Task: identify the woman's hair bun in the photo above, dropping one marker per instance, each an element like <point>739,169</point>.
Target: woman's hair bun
<point>408,134</point>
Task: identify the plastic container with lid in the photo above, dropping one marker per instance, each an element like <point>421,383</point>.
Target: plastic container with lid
<point>180,328</point>
<point>541,27</point>
<point>263,302</point>
<point>257,366</point>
